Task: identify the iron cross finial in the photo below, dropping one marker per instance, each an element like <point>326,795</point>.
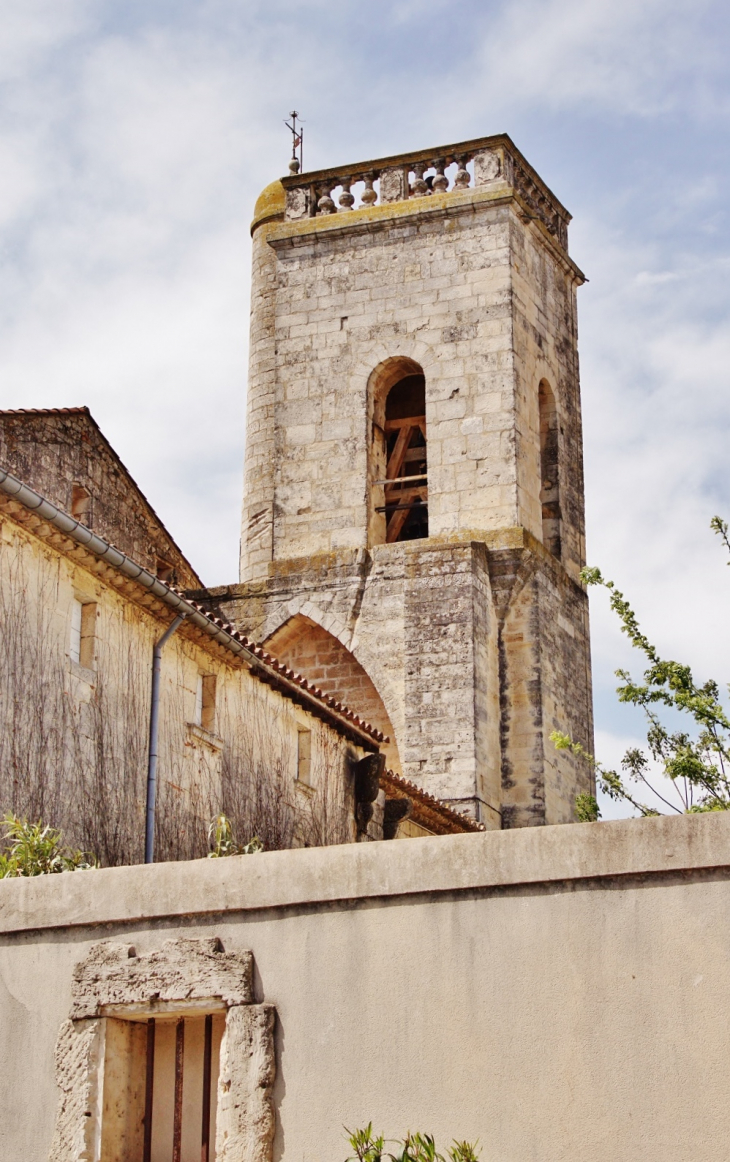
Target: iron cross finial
<point>297,132</point>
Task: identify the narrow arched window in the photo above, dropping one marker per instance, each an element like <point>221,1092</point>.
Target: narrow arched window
<point>406,477</point>
<point>549,470</point>
<point>398,461</point>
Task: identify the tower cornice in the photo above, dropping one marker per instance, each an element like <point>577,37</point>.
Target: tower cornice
<point>497,163</point>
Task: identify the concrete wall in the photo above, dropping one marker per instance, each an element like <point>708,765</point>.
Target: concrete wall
<point>561,994</point>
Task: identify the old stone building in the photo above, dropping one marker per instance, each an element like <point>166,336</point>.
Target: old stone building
<point>412,537</point>
<point>412,541</point>
<point>62,454</point>
<point>413,524</point>
<point>87,587</point>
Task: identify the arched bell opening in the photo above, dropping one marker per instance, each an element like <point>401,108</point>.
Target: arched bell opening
<point>399,458</point>
<point>549,470</point>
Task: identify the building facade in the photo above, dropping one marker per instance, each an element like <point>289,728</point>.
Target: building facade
<point>413,518</point>
<point>240,733</point>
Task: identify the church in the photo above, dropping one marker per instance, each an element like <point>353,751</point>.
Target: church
<point>409,624</point>
<point>408,628</point>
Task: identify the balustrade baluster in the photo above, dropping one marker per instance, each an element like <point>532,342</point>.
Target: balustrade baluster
<point>346,199</point>
<point>463,178</point>
<point>419,189</point>
<point>396,184</point>
<point>369,195</point>
<point>325,205</point>
<point>440,183</point>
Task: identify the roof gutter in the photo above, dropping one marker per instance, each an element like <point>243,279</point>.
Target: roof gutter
<point>83,536</point>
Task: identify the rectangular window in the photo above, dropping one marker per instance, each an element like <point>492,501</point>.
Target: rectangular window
<point>82,645</point>
<point>81,503</point>
<point>165,570</point>
<point>75,645</point>
<point>207,715</point>
<point>205,702</point>
<point>159,1088</point>
<point>304,756</point>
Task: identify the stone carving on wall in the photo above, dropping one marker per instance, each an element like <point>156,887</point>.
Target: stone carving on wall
<point>487,167</point>
<point>297,204</point>
<point>393,185</point>
<point>114,995</point>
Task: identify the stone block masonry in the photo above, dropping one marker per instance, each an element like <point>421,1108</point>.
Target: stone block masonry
<point>474,637</point>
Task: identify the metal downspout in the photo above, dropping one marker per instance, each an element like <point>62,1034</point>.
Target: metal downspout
<point>149,834</point>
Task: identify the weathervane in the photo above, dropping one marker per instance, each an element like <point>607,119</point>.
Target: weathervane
<point>297,163</point>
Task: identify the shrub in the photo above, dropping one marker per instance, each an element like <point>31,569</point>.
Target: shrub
<point>413,1148</point>
<point>223,842</point>
<point>33,849</point>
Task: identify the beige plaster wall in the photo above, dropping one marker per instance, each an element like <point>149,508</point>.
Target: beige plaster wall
<point>561,994</point>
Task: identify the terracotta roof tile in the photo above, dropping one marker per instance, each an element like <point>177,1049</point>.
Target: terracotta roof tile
<point>45,411</point>
<point>286,672</point>
<point>401,788</point>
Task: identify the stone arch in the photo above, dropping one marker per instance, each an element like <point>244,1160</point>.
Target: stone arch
<point>317,653</point>
<point>397,450</point>
<point>345,633</point>
<point>386,374</point>
<point>378,353</point>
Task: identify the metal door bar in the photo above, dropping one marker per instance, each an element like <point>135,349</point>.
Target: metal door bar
<point>148,1088</point>
<point>207,1077</point>
<point>177,1116</point>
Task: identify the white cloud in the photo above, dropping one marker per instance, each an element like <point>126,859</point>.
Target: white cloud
<point>33,28</point>
<point>626,56</point>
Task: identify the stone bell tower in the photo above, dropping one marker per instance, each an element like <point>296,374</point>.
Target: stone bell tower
<point>413,524</point>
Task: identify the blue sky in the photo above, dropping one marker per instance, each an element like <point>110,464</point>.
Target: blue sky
<point>134,138</point>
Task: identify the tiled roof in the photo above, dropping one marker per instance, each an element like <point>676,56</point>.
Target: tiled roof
<point>263,664</point>
<point>428,810</point>
<point>45,411</point>
<point>285,671</point>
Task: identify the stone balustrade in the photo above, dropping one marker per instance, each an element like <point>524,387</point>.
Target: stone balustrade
<point>455,169</point>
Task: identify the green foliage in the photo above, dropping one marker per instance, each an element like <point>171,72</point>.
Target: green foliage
<point>366,1147</point>
<point>223,842</point>
<point>32,849</point>
<point>719,526</point>
<point>697,761</point>
<point>417,1148</point>
<point>587,809</point>
<point>463,1152</point>
<point>413,1148</point>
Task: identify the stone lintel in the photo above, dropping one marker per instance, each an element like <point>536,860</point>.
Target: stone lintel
<point>112,976</point>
